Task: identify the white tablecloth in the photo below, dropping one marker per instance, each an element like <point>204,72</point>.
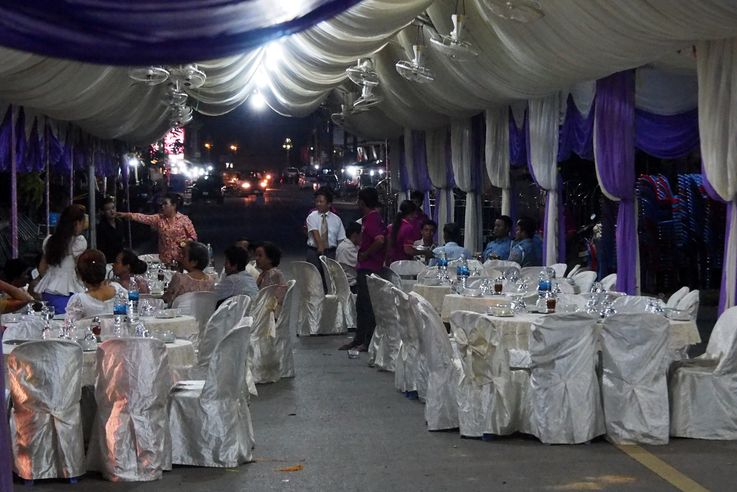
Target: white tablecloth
<point>457,302</point>
<point>433,293</point>
<point>179,353</point>
<point>183,326</point>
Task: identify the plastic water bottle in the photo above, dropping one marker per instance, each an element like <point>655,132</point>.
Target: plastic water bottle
<point>133,297</point>
<point>120,306</point>
<point>442,266</point>
<point>211,256</point>
<point>462,271</point>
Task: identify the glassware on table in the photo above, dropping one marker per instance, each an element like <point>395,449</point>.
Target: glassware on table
<point>518,304</point>
<point>550,302</point>
<point>498,286</point>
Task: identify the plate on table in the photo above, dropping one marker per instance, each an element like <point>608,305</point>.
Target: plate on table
<point>167,314</point>
<point>500,312</point>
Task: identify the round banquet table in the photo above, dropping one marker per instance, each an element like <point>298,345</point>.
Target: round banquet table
<point>457,302</point>
<point>434,294</point>
<point>179,353</point>
<point>182,326</point>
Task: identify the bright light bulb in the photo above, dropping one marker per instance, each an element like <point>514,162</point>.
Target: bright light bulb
<point>274,55</point>
<point>258,101</point>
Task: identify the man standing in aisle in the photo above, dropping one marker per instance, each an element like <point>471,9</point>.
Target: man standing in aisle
<point>324,231</point>
<point>370,260</point>
<point>175,229</point>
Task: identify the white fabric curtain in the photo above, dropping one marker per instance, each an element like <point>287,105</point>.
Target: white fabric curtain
<point>409,160</point>
<point>717,77</point>
<point>544,118</point>
<point>461,155</point>
<point>497,153</point>
<point>435,142</point>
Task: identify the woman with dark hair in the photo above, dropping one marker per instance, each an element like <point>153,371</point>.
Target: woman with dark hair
<point>60,252</point>
<point>268,257</point>
<point>196,259</point>
<point>128,269</point>
<point>402,233</point>
<point>101,293</point>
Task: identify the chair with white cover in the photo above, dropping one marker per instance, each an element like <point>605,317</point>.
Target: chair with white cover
<point>559,269</point>
<point>632,304</point>
<point>406,366</point>
<point>676,297</point>
<point>199,304</point>
<point>391,276</point>
<point>45,385</point>
<point>130,435</point>
<point>442,371</point>
<point>531,273</point>
<point>569,303</point>
<point>634,387</point>
<point>407,271</point>
<point>491,273</point>
<point>428,272</point>
<point>150,258</point>
<point>703,391</point>
<point>584,281</point>
<point>690,304</point>
<point>488,399</point>
<point>209,420</point>
<point>502,264</point>
<point>473,265</point>
<point>574,270</point>
<point>338,286</point>
<point>564,389</point>
<point>270,354</point>
<point>384,346</point>
<point>609,282</point>
<point>317,312</point>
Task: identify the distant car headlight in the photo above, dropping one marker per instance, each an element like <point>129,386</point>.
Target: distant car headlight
<point>246,185</point>
<point>268,177</point>
<point>264,184</point>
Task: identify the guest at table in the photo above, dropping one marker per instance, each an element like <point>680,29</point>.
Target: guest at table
<point>100,296</point>
<point>499,247</point>
<point>61,250</point>
<point>110,231</point>
<point>527,248</point>
<point>250,247</point>
<point>324,231</point>
<point>370,260</point>
<point>15,276</point>
<point>237,280</point>
<point>194,279</point>
<point>16,272</point>
<point>402,234</point>
<point>452,248</point>
<point>418,198</point>
<point>268,257</point>
<point>347,253</point>
<point>129,270</point>
<point>426,244</point>
<point>174,228</point>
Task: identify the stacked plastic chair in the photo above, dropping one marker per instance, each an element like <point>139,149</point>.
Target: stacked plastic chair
<point>317,312</point>
<point>384,347</point>
<point>210,421</point>
<point>45,386</point>
<point>634,386</point>
<point>703,391</point>
<point>338,286</point>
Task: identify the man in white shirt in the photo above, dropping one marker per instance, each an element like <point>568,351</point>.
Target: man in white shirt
<point>237,280</point>
<point>324,231</point>
<point>347,253</point>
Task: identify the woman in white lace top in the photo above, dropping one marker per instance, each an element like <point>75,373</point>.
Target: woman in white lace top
<point>100,295</point>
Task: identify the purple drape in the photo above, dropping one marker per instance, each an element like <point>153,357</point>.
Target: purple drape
<point>615,163</point>
<point>422,176</point>
<point>667,137</point>
<point>576,134</point>
<point>148,32</point>
<point>517,142</point>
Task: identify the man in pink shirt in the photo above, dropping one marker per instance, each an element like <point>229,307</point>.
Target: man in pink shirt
<point>370,260</point>
<point>174,229</point>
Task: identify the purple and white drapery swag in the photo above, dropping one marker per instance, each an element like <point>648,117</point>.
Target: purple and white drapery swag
<point>414,166</point>
<point>497,154</point>
<point>717,81</point>
<point>440,172</point>
<point>614,151</point>
<point>466,144</point>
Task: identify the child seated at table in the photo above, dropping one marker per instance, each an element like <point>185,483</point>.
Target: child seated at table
<point>101,293</point>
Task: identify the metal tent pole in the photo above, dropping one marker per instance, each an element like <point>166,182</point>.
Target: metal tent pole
<point>91,185</point>
<point>13,186</point>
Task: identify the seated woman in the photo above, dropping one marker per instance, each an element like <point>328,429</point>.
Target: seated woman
<point>100,295</point>
<point>268,256</point>
<point>128,269</point>
<point>196,258</point>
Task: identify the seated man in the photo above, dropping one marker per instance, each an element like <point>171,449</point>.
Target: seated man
<point>527,249</point>
<point>347,253</point>
<point>426,244</point>
<point>453,250</point>
<point>498,248</point>
<point>13,295</point>
<point>237,280</point>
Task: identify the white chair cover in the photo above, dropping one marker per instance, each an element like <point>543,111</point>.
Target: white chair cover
<point>406,366</point>
<point>45,385</point>
<point>574,270</point>
<point>567,302</point>
<point>634,387</point>
<point>429,272</point>
<point>502,264</point>
<point>407,271</point>
<point>532,273</point>
<point>473,265</point>
<point>225,318</point>
<point>28,328</point>
<point>703,391</point>
<point>384,346</point>
<point>443,372</point>
<point>560,269</point>
<point>564,387</point>
<point>130,436</point>
<point>584,281</point>
<point>631,304</point>
<point>566,287</point>
<point>210,421</point>
<point>609,282</point>
<point>317,312</point>
<point>338,285</point>
<point>201,305</point>
<point>488,401</point>
<point>391,276</point>
<point>149,258</point>
<point>676,297</point>
<point>690,304</point>
<point>270,356</point>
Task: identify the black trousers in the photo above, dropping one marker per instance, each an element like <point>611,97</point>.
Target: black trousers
<point>312,256</point>
<point>365,322</point>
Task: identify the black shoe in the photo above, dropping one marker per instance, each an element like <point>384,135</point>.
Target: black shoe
<point>349,345</point>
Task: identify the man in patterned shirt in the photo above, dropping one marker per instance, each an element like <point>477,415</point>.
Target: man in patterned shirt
<point>175,229</point>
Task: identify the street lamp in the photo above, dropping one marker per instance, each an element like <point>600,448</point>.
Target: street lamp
<point>208,146</point>
<point>234,148</point>
<point>287,146</point>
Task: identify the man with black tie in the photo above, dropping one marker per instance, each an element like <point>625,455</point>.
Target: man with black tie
<point>324,231</point>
